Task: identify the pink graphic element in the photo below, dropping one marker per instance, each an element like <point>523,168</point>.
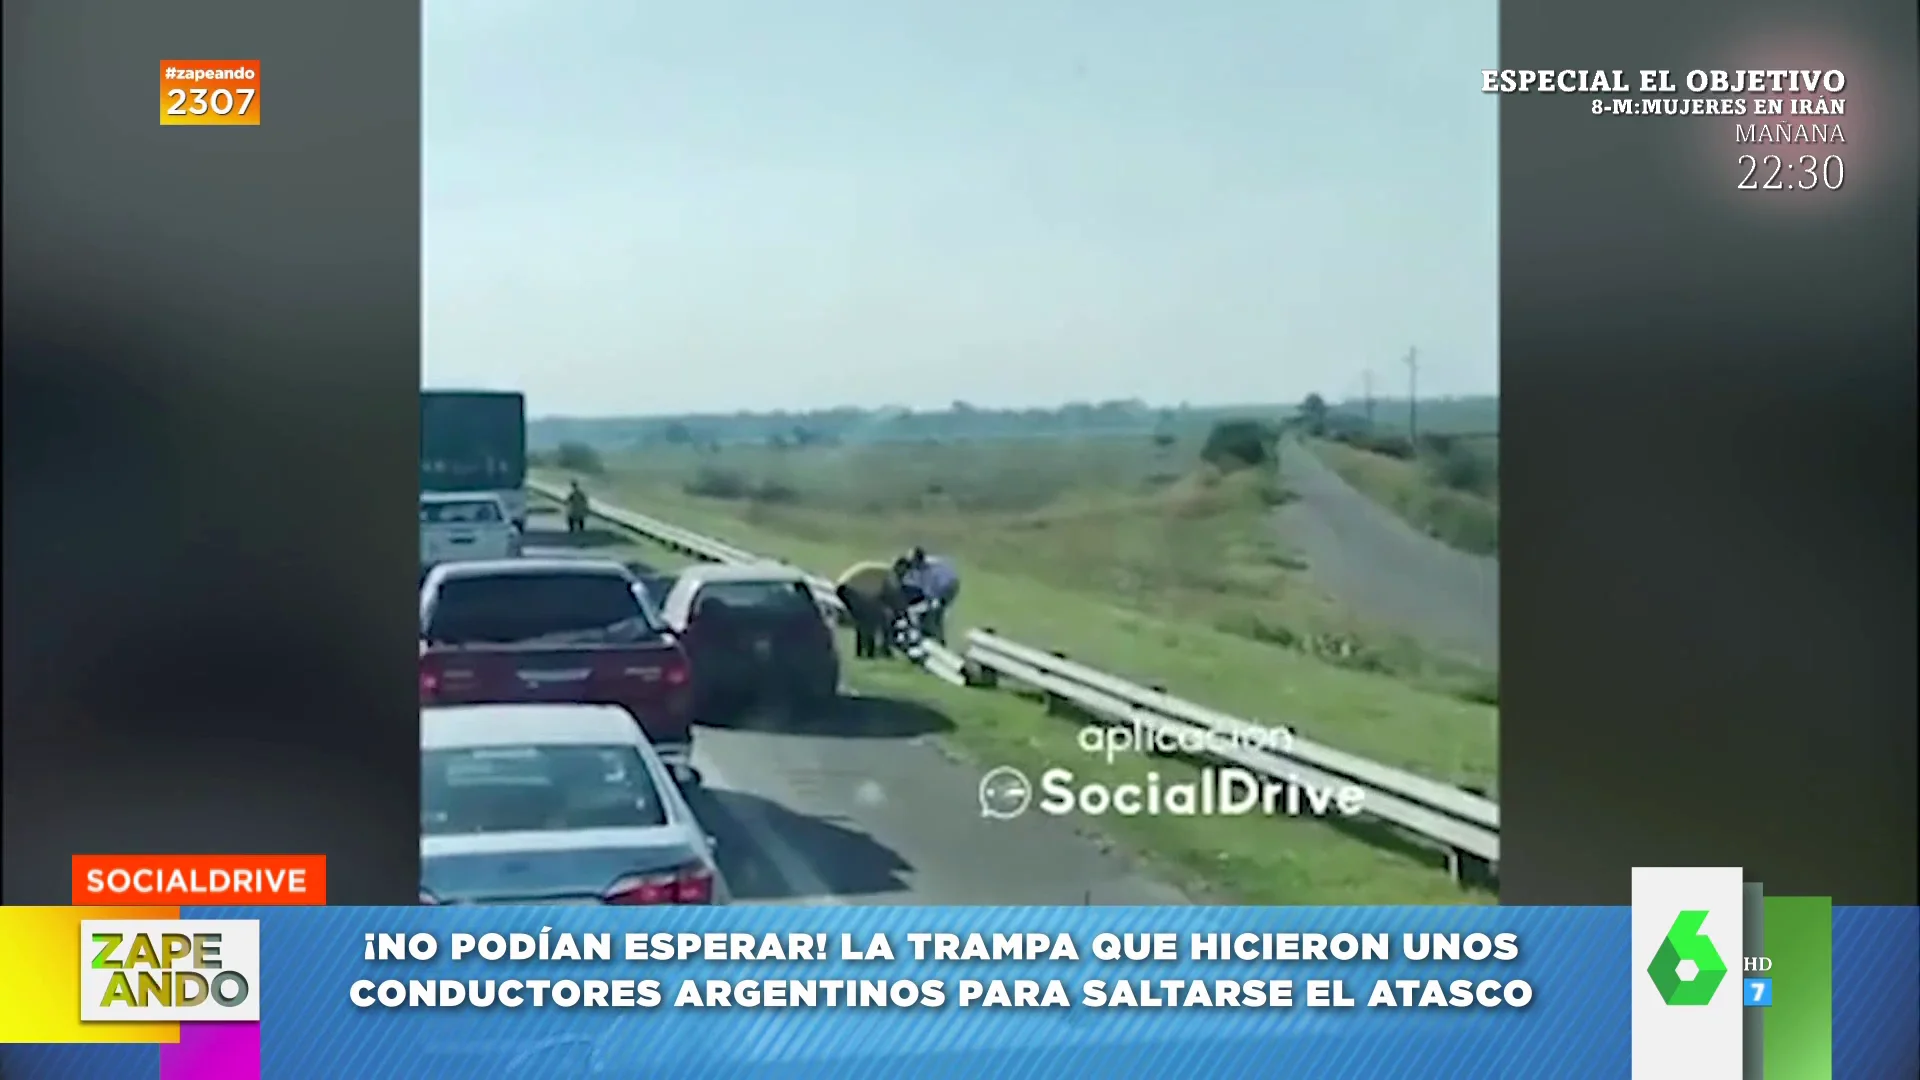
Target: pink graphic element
<point>1875,150</point>
<point>226,1051</point>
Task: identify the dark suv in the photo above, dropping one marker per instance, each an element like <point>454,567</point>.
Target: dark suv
<point>756,636</point>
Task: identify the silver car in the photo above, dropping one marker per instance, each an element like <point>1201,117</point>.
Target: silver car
<point>554,804</point>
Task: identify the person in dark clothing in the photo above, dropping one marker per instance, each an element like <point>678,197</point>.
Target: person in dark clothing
<point>910,591</point>
<point>576,509</point>
<point>872,595</point>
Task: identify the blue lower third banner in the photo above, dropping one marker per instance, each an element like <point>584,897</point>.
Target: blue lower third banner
<point>844,992</point>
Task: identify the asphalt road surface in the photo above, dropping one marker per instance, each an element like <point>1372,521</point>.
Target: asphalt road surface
<point>1385,570</point>
<point>867,806</point>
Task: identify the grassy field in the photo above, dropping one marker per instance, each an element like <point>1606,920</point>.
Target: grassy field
<point>1465,515</point>
<point>1126,554</point>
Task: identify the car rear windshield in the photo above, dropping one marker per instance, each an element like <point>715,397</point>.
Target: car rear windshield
<point>536,789</point>
<point>466,512</point>
<point>569,608</point>
<point>761,599</point>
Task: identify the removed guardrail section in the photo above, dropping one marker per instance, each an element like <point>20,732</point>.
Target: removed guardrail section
<point>936,659</point>
<point>1465,824</point>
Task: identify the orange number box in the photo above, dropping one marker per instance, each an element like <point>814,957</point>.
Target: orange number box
<point>209,93</point>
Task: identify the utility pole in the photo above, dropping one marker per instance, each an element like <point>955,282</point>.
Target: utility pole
<point>1413,395</point>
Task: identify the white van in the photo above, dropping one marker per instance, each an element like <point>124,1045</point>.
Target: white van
<point>464,527</point>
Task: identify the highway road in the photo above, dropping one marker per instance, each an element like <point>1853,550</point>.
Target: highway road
<point>869,806</point>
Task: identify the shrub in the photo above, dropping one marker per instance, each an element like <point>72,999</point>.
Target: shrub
<point>1255,628</point>
<point>1464,521</point>
<point>1483,690</point>
<point>579,457</point>
<point>774,492</point>
<point>1393,446</point>
<point>1313,415</point>
<point>1238,444</point>
<point>1272,492</point>
<point>1461,468</point>
<point>711,482</point>
<point>1346,428</point>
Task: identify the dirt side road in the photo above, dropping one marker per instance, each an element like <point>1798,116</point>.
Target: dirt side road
<point>1385,570</point>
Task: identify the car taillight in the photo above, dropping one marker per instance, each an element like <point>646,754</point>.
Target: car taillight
<point>675,672</point>
<point>429,683</point>
<point>687,885</point>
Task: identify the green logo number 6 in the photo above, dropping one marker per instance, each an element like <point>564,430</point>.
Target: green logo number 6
<point>1685,942</point>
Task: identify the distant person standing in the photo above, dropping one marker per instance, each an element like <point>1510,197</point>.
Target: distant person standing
<point>938,581</point>
<point>576,509</point>
<point>873,597</point>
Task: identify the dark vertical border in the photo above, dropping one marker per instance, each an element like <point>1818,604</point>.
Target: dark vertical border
<point>212,361</point>
<point>1708,477</point>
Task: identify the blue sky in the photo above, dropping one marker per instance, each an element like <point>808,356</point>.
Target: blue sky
<point>760,204</point>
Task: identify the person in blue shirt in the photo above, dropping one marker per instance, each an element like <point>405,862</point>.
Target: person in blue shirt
<point>938,582</point>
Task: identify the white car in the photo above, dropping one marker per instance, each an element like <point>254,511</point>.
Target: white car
<point>465,528</point>
<point>554,804</point>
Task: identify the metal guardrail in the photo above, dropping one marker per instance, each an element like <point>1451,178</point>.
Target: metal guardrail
<point>1465,824</point>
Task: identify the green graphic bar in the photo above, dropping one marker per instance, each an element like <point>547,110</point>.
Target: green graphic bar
<point>1799,1026</point>
<point>1753,1022</point>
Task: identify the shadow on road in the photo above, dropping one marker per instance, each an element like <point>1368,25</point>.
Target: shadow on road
<point>748,827</point>
<point>538,536</point>
<point>846,718</point>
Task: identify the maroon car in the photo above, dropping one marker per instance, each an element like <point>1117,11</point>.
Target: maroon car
<point>528,630</point>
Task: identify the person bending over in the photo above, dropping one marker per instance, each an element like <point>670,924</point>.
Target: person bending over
<point>937,579</point>
<point>914,603</point>
<point>873,597</point>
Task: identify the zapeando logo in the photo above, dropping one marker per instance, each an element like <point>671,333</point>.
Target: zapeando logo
<point>169,970</point>
<point>1686,947</point>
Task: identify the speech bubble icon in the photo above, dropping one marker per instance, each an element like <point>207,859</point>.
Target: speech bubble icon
<point>1005,793</point>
